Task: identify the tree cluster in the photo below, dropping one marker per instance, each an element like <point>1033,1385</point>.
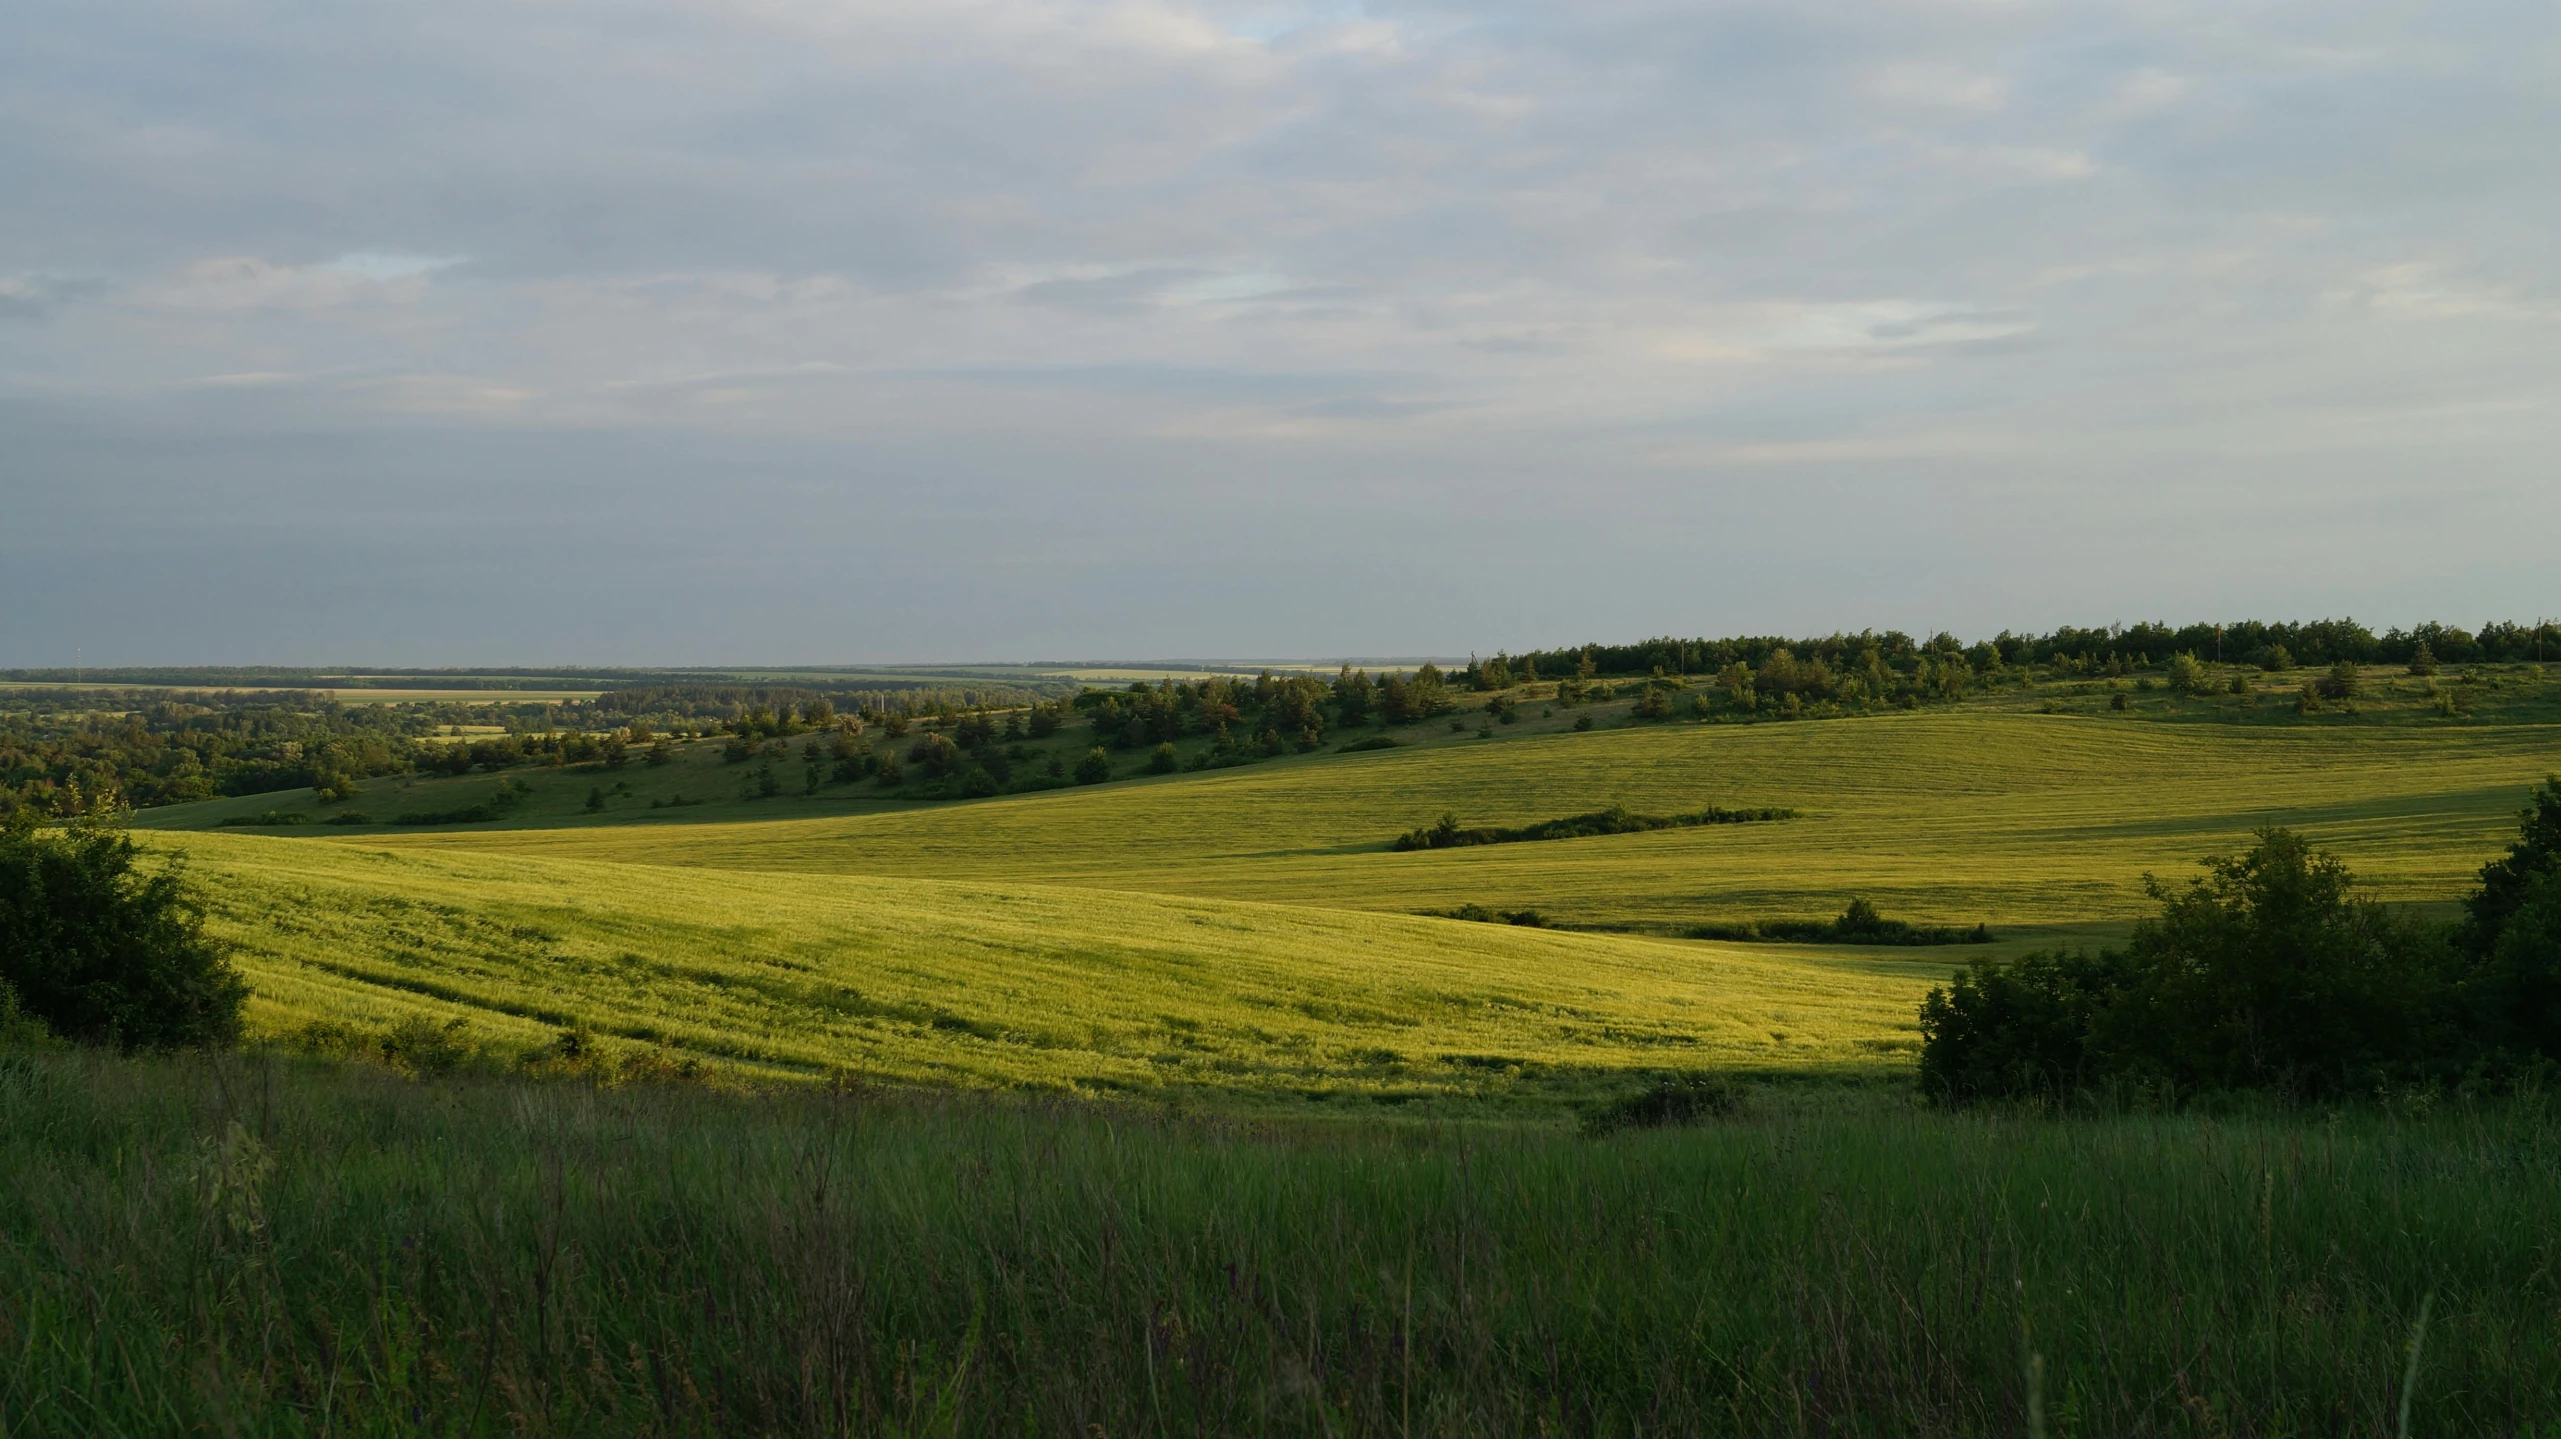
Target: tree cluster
<point>2272,973</point>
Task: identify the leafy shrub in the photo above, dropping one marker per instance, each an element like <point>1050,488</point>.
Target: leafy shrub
<point>1617,819</point>
<point>2341,683</point>
<point>19,1029</point>
<point>1858,924</point>
<point>2188,676</point>
<point>1480,914</point>
<point>1676,1099</point>
<point>1095,767</point>
<point>2511,934</point>
<point>2020,1028</point>
<point>2269,973</point>
<point>104,954</point>
<point>425,1048</point>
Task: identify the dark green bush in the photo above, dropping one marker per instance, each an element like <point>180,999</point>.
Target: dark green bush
<point>1676,1099</point>
<point>2018,1028</point>
<point>103,953</point>
<point>2272,974</point>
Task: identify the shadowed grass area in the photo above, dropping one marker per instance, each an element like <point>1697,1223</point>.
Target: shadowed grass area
<point>234,1245</point>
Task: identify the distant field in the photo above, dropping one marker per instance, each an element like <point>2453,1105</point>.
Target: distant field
<point>1249,929</point>
<point>2037,824</point>
<point>986,985</point>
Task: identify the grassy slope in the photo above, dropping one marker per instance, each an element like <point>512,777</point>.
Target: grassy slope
<point>2033,822</point>
<point>969,941</point>
<point>967,982</point>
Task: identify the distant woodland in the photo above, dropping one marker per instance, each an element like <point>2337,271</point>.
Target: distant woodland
<point>62,753</point>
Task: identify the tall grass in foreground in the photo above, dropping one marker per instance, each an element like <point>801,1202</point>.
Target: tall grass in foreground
<point>242,1246</point>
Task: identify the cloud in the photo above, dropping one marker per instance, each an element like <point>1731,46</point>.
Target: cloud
<point>246,282</point>
<point>1342,273</point>
<point>32,297</point>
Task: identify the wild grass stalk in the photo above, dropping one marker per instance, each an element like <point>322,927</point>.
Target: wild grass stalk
<point>234,1244</point>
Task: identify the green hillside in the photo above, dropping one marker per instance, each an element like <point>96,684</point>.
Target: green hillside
<point>2033,823</point>
<point>1015,985</point>
<point>1252,929</point>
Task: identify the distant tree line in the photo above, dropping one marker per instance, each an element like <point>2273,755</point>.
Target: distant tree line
<point>720,704</point>
<point>2253,642</point>
<point>2272,973</point>
<point>173,750</point>
<point>61,755</point>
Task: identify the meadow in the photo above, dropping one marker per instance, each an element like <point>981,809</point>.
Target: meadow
<point>1163,1105</point>
<point>246,1245</point>
<point>917,981</point>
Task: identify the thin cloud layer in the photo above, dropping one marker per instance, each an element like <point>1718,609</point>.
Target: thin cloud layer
<point>1138,328</point>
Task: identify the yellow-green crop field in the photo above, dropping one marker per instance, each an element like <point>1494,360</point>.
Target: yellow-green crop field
<point>1248,931</point>
<point>970,983</point>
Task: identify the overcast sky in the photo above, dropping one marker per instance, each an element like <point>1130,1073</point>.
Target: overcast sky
<point>629,332</point>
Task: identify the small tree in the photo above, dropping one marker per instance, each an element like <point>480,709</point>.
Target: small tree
<point>1162,761</point>
<point>2423,661</point>
<point>1095,767</point>
<point>2188,676</point>
<point>105,954</point>
<point>2341,683</point>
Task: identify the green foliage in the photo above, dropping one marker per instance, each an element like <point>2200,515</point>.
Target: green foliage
<point>1486,914</point>
<point>2535,852</point>
<point>2267,974</point>
<point>2343,682</point>
<point>1672,1100</point>
<point>1861,923</point>
<point>2189,676</point>
<point>2019,1028</point>
<point>2512,996</point>
<point>1095,767</point>
<point>103,953</point>
<point>1163,760</point>
<point>19,1029</point>
<point>1617,819</point>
